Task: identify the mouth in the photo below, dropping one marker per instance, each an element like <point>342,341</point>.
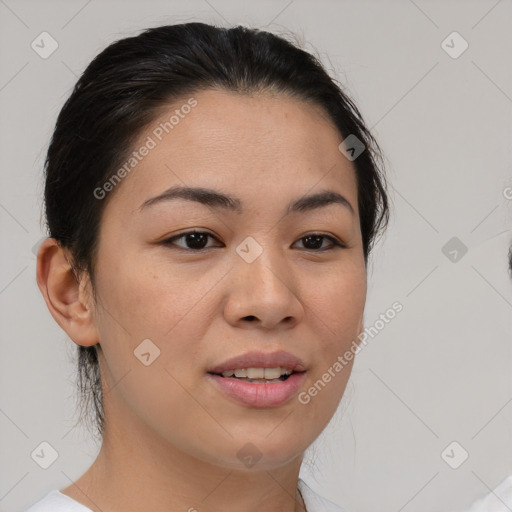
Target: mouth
<point>258,379</point>
<point>260,365</point>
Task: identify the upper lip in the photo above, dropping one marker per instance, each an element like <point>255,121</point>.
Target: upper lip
<point>261,360</point>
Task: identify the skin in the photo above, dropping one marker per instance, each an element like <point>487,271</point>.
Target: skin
<point>171,438</point>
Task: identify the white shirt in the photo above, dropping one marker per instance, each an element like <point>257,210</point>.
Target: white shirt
<point>55,501</point>
<point>500,500</point>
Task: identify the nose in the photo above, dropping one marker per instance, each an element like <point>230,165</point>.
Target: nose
<point>263,295</point>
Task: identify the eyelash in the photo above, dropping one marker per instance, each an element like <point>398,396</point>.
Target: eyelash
<point>336,243</point>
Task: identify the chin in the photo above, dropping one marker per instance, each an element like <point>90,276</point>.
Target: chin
<point>260,451</point>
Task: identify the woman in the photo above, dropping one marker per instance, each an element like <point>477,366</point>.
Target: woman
<point>212,197</point>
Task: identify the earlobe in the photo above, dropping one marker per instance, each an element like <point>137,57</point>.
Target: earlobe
<point>67,299</point>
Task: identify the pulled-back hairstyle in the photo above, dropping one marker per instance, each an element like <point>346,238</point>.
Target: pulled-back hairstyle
<point>128,85</point>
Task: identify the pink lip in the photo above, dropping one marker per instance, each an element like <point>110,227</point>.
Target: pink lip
<point>260,395</point>
<point>276,359</point>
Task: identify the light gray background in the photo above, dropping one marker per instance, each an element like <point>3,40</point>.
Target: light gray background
<point>440,371</point>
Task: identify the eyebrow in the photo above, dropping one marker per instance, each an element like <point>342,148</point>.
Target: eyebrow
<point>216,199</point>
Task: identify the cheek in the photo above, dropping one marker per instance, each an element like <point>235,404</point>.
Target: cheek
<point>336,315</point>
<point>143,305</point>
<point>150,300</point>
<point>337,303</point>
<point>167,306</point>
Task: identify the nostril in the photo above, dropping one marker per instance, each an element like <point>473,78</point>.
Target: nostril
<point>250,318</point>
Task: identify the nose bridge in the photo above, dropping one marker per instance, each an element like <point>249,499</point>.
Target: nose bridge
<point>265,287</point>
<point>263,264</point>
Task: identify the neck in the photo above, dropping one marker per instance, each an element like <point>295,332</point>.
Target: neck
<point>137,470</point>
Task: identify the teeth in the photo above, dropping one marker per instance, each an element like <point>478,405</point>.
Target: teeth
<point>272,373</point>
<point>257,373</point>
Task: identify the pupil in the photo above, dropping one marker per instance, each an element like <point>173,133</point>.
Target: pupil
<point>196,244</point>
<point>318,239</point>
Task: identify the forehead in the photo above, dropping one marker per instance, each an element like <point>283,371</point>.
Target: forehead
<point>251,143</point>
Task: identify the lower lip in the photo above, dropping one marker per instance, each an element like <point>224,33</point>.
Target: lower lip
<point>264,394</point>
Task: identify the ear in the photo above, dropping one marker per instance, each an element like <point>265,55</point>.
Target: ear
<point>68,300</point>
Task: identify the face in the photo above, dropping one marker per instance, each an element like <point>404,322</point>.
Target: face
<point>277,283</point>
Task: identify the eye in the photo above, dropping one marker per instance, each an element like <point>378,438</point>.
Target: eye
<point>194,240</point>
<point>197,241</point>
<point>315,241</point>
